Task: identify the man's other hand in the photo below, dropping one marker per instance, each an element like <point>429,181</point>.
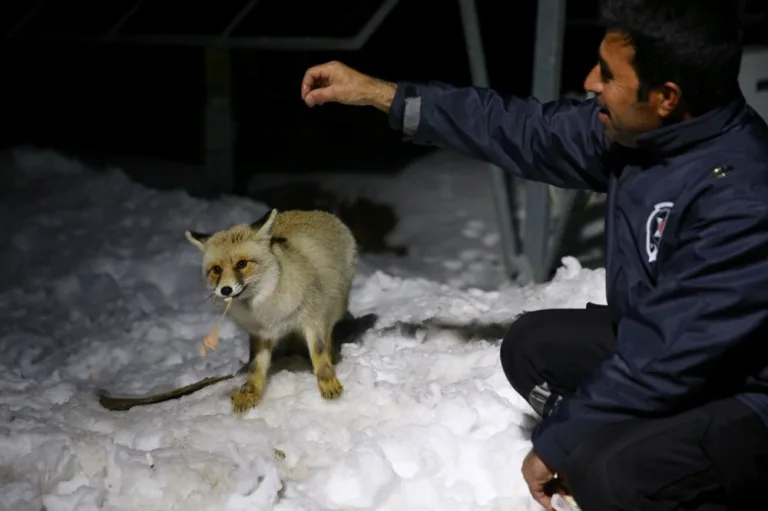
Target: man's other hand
<point>537,476</point>
<point>334,82</point>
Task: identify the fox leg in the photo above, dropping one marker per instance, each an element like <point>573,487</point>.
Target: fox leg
<point>253,349</point>
<point>320,350</point>
<point>249,394</point>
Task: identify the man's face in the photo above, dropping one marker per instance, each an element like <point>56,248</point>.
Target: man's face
<point>615,83</point>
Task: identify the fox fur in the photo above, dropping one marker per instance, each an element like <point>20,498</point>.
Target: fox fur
<point>288,272</point>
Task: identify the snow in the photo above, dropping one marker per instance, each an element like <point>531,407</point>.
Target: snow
<point>101,290</point>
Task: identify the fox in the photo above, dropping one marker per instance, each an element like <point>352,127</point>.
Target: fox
<point>289,272</point>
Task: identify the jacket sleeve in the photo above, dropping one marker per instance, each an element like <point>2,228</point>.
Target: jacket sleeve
<point>561,143</point>
<point>687,338</point>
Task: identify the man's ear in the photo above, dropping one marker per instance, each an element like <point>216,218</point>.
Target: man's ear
<point>198,239</point>
<point>666,99</point>
<point>265,227</point>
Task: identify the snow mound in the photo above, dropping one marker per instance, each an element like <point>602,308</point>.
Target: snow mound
<point>103,291</point>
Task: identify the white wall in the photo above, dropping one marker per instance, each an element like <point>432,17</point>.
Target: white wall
<point>754,70</point>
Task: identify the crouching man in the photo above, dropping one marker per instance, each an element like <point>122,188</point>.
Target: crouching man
<point>659,400</point>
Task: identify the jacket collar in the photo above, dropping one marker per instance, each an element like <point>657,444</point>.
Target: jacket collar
<point>675,137</point>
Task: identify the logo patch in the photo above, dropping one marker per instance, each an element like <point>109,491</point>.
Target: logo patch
<point>654,228</point>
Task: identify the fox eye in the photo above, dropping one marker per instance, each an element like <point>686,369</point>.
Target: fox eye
<point>216,270</point>
<point>241,264</point>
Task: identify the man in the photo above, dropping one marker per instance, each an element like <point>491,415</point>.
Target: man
<point>659,400</point>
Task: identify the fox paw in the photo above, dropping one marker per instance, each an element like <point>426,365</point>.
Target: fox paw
<point>247,397</point>
<point>330,388</point>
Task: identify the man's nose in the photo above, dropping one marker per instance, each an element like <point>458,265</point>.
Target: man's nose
<point>593,83</point>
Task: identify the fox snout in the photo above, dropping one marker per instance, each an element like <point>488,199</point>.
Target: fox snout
<point>225,290</point>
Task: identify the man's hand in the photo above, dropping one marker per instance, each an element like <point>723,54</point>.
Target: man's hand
<point>336,82</point>
<point>537,475</point>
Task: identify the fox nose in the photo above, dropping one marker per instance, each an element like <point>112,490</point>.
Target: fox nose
<point>226,290</point>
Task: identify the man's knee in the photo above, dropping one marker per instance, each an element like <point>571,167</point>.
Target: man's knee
<point>548,353</point>
<point>521,348</point>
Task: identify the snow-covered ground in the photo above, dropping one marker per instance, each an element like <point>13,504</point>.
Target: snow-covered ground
<point>100,289</point>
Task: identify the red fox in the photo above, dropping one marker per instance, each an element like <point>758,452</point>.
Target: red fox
<point>288,272</point>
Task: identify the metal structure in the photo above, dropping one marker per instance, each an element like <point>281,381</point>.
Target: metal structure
<point>531,258</point>
<point>526,260</point>
<point>219,167</point>
<point>225,40</point>
<point>501,183</point>
<point>547,71</point>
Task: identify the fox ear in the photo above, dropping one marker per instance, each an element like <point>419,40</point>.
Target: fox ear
<point>265,224</point>
<point>198,239</point>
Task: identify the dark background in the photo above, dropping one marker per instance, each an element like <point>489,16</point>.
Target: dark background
<point>148,100</point>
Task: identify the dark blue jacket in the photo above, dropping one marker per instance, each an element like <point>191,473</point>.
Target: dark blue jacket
<point>686,236</point>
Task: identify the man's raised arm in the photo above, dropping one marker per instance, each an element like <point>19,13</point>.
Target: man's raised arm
<point>560,143</point>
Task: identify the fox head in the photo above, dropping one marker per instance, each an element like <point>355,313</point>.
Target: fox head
<point>238,262</point>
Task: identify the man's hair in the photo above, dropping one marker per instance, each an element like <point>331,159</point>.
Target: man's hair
<point>696,44</point>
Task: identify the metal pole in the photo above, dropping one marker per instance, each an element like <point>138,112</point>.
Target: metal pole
<point>26,18</point>
<point>219,122</point>
<point>223,41</point>
<point>124,18</point>
<point>198,41</point>
<point>374,22</point>
<point>499,182</point>
<point>548,55</point>
<point>238,18</point>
